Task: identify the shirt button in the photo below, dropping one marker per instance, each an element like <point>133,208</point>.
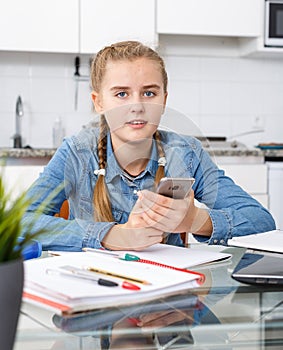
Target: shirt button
<point>135,192</point>
<point>215,241</point>
<point>222,241</point>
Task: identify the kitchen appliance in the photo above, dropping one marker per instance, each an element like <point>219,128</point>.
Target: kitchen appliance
<point>273,23</point>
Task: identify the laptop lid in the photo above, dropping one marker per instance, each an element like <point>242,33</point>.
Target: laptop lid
<point>259,269</point>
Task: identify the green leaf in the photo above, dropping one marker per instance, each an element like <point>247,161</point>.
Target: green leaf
<point>11,225</point>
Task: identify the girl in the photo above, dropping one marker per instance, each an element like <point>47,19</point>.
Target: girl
<point>110,172</point>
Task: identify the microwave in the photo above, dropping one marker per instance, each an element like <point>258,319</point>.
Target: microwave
<point>273,23</point>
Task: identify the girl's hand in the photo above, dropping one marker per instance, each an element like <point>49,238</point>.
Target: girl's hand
<point>173,215</point>
<point>165,318</point>
<point>135,234</point>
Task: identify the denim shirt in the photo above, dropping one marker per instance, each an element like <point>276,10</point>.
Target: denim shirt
<point>233,212</point>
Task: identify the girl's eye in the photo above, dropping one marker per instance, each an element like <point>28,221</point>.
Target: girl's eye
<point>122,94</point>
<point>149,93</point>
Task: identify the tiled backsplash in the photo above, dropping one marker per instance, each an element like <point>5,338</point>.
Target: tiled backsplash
<point>46,85</point>
<point>223,96</point>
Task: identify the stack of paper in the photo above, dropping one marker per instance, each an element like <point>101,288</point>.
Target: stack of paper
<point>67,295</point>
<point>271,241</point>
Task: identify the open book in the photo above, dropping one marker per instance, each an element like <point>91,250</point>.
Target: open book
<point>271,241</point>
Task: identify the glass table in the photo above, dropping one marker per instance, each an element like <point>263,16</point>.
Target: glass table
<point>220,314</point>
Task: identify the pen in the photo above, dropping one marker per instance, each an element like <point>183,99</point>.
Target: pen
<point>114,274</point>
<point>73,274</point>
<point>80,273</point>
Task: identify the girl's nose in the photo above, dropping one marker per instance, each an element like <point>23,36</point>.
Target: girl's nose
<point>137,106</point>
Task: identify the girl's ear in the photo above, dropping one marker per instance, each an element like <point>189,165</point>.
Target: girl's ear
<point>165,98</point>
<point>164,102</point>
<point>96,102</point>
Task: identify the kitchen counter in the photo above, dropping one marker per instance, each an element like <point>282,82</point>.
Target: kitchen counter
<point>273,154</point>
<point>49,152</point>
<point>216,151</point>
<point>26,156</point>
<point>26,152</point>
<point>228,150</point>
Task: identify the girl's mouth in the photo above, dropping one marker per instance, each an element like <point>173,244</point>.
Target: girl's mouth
<point>136,123</point>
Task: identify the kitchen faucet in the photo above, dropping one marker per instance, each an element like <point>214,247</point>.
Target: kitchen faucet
<point>19,113</point>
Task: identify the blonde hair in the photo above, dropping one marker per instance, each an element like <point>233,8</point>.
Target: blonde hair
<point>125,50</point>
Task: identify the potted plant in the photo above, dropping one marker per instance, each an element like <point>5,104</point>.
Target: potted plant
<point>12,245</point>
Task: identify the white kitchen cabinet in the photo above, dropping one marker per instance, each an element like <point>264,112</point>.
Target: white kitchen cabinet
<point>253,178</point>
<point>108,21</point>
<point>38,25</point>
<point>83,26</point>
<point>235,18</point>
<point>18,178</point>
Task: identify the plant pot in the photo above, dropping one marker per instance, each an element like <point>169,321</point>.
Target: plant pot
<point>11,289</point>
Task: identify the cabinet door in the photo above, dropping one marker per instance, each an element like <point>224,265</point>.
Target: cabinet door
<point>240,18</point>
<point>108,21</point>
<point>39,25</point>
<point>19,178</point>
<point>251,177</point>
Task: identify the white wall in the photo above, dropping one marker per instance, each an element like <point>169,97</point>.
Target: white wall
<point>222,95</point>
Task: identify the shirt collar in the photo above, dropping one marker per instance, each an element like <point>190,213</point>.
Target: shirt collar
<point>113,168</point>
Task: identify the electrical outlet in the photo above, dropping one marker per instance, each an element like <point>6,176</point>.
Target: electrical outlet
<point>258,122</point>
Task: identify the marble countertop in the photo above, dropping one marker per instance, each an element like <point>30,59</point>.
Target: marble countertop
<point>215,151</point>
<point>27,152</point>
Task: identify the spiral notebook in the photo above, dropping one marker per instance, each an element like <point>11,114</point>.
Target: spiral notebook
<point>66,295</point>
<point>168,255</point>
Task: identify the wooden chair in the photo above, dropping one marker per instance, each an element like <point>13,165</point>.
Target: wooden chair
<point>64,211</point>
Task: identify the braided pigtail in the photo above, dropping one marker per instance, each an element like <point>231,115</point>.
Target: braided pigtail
<point>160,173</point>
<point>101,198</point>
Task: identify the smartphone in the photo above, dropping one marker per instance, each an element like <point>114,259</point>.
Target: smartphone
<point>175,187</point>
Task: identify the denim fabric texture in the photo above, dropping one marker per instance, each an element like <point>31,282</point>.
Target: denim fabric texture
<point>233,212</point>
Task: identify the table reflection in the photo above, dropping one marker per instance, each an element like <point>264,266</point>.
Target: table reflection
<point>147,325</point>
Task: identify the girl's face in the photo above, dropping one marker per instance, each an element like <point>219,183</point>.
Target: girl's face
<point>132,98</point>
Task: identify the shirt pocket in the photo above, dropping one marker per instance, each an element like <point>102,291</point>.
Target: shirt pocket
<point>118,216</point>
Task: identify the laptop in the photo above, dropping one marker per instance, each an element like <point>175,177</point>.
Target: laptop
<point>259,269</point>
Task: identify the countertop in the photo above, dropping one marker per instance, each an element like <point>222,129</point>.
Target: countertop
<point>214,151</point>
<point>27,152</point>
